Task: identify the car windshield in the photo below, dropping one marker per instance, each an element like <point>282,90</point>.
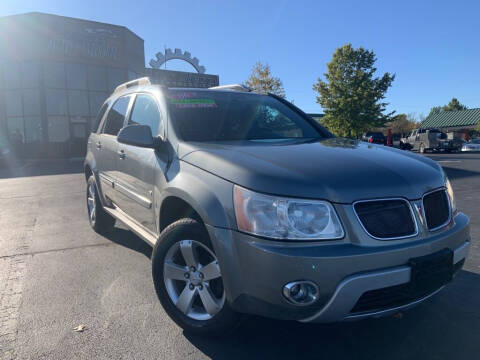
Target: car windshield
<point>224,116</point>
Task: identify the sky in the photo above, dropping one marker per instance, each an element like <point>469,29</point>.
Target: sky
<point>431,46</point>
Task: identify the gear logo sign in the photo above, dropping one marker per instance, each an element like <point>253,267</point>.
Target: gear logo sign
<point>162,58</point>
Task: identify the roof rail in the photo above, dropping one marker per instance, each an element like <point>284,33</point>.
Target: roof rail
<point>141,81</point>
<point>233,87</point>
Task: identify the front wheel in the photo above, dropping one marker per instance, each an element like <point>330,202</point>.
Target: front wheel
<point>188,280</point>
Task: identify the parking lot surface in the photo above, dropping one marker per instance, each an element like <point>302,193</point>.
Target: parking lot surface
<point>57,274</point>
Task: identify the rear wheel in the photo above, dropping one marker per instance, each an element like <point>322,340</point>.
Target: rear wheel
<point>99,220</point>
<point>188,280</point>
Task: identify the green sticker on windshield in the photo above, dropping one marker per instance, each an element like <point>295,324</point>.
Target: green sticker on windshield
<point>193,103</point>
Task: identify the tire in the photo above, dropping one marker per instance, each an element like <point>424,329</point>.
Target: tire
<point>188,239</point>
<point>100,221</point>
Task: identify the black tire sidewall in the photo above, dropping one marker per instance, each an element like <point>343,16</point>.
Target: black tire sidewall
<point>103,221</point>
<point>184,229</point>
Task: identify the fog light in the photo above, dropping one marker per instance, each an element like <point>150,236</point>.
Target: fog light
<point>301,292</point>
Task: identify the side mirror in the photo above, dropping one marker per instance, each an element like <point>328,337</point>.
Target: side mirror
<point>136,135</point>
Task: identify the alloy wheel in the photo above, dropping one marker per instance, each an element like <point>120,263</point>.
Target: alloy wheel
<point>193,279</point>
<point>91,203</point>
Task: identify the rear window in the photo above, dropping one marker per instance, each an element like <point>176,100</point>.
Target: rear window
<point>224,116</point>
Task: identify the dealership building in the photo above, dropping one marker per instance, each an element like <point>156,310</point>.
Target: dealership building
<point>55,72</point>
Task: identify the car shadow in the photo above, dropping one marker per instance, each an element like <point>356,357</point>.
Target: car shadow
<point>444,327</point>
<point>129,240</point>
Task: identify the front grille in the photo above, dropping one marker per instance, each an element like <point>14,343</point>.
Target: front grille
<point>386,219</point>
<point>437,209</point>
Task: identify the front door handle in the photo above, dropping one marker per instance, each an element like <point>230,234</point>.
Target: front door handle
<point>98,145</point>
<point>121,154</point>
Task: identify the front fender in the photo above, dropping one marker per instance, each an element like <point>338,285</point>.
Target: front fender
<point>92,164</point>
<point>209,195</point>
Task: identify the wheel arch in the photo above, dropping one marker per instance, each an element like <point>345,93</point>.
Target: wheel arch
<point>209,197</point>
<point>89,169</point>
<point>174,208</point>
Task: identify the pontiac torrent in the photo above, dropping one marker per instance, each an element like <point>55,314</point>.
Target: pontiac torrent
<point>253,208</point>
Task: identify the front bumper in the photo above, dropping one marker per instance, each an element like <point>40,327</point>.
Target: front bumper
<point>350,290</point>
<point>255,270</point>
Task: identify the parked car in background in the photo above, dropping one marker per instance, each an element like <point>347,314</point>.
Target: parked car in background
<point>472,145</point>
<point>252,207</point>
<point>374,137</point>
<point>396,140</point>
<point>423,140</point>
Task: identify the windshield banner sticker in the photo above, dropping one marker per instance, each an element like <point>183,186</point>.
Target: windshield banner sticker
<point>183,95</point>
<point>182,103</point>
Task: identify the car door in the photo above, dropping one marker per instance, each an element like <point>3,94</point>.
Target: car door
<point>94,140</point>
<point>106,146</point>
<point>137,165</point>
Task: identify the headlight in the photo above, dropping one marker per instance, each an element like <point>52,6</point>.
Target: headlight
<point>285,218</point>
<point>451,196</point>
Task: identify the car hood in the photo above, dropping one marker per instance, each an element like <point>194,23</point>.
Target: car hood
<point>336,169</point>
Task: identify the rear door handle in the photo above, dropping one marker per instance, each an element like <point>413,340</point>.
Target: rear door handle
<point>121,154</point>
<point>98,145</point>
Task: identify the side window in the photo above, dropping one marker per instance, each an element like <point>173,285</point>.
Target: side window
<point>116,116</point>
<point>145,112</point>
<point>98,119</point>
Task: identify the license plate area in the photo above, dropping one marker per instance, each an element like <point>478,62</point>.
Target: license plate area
<point>431,272</point>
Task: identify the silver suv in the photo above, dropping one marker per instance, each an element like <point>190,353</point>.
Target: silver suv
<point>253,208</point>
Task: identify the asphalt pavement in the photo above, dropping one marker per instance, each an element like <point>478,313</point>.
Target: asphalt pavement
<point>57,274</point>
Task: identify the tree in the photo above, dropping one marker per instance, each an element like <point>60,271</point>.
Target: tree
<point>262,80</point>
<point>351,96</point>
<point>403,124</point>
<point>453,105</point>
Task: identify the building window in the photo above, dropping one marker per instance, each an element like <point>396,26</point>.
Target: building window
<point>54,74</point>
<point>58,129</point>
<point>33,129</point>
<point>115,78</point>
<point>56,102</point>
<point>11,74</point>
<point>13,101</point>
<point>97,78</point>
<point>16,130</point>
<point>78,103</point>
<point>30,78</point>
<point>76,76</point>
<point>31,102</point>
<point>79,127</point>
